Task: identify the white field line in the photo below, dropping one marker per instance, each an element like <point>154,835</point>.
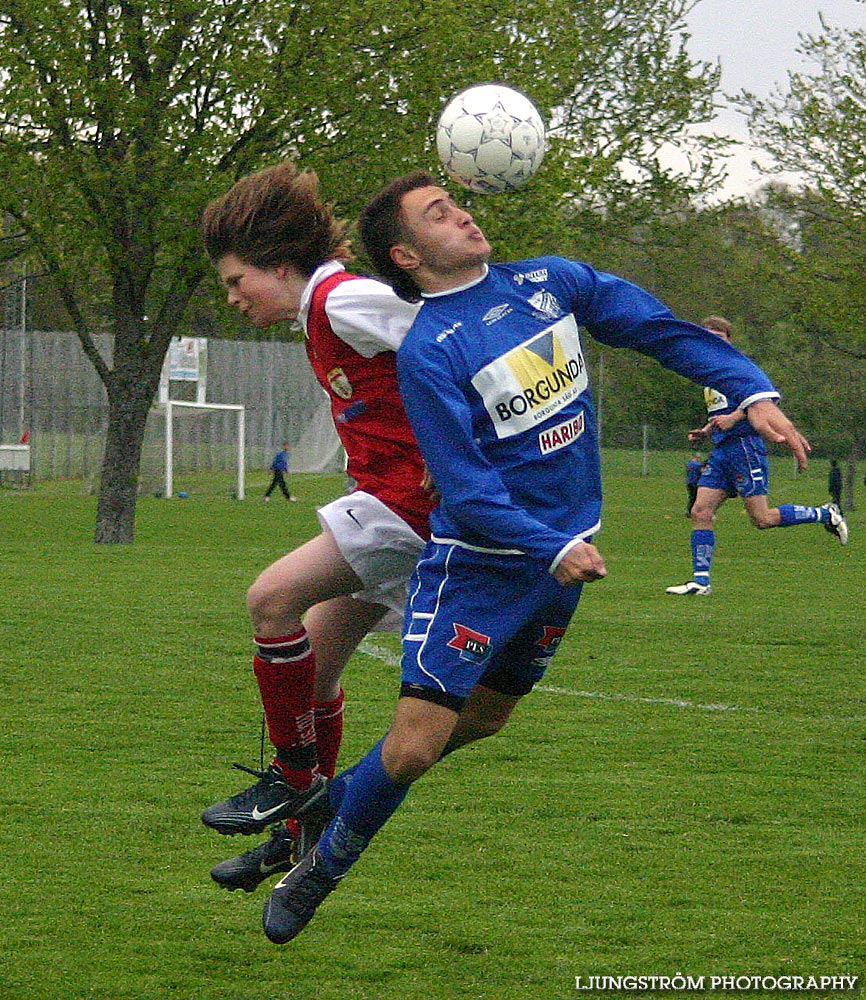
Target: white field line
<point>392,659</point>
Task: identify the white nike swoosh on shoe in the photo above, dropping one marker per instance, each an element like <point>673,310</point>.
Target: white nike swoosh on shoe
<point>257,815</point>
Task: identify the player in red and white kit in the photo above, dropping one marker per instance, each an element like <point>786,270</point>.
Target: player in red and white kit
<point>279,252</point>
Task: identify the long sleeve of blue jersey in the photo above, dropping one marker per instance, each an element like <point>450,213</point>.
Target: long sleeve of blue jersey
<point>620,314</point>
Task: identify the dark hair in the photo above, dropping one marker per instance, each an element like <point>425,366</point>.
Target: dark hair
<point>275,217</point>
<point>381,227</point>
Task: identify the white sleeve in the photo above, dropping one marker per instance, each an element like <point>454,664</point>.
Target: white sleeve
<point>369,316</point>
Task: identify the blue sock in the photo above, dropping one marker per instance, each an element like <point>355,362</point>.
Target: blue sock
<point>368,801</point>
<point>796,514</point>
<point>703,545</point>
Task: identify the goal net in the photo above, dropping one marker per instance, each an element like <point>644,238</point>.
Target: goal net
<point>191,445</point>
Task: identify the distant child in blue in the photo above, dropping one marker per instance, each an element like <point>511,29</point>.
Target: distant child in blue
<point>279,467</point>
<point>694,468</point>
<point>738,466</point>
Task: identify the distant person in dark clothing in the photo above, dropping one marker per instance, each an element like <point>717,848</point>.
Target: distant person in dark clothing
<point>279,467</point>
<point>834,482</point>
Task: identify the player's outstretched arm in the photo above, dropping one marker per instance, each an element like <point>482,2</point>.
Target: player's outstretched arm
<point>769,421</point>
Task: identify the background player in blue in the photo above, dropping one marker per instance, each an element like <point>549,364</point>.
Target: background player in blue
<point>495,384</point>
<point>694,468</point>
<point>738,466</point>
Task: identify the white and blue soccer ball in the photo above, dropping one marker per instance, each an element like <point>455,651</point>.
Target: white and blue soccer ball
<point>490,138</point>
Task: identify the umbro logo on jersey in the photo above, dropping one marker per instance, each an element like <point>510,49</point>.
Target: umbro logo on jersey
<point>536,277</point>
<point>496,313</point>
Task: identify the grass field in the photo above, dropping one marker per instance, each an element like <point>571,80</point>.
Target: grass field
<point>684,793</point>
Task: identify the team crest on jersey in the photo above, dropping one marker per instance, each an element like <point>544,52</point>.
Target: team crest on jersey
<point>474,646</point>
<point>546,305</point>
<point>537,277</point>
<point>339,382</point>
<point>535,380</point>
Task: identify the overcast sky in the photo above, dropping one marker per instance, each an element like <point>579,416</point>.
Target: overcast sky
<point>756,42</point>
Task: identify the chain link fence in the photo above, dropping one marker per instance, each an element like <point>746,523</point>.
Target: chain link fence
<point>51,395</point>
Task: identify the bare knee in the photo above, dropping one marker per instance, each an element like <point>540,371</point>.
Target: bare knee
<point>271,606</point>
<point>416,739</point>
<point>702,516</point>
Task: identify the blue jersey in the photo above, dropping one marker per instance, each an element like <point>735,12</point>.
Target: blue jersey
<point>496,387</point>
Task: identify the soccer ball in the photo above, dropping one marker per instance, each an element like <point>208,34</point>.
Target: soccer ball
<point>490,138</point>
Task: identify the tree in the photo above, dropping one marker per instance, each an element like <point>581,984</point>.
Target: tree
<point>816,130</point>
<point>121,118</point>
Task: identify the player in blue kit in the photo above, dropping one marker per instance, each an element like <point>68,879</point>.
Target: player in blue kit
<point>495,384</point>
<point>738,466</point>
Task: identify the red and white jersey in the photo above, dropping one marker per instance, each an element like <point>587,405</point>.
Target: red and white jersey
<point>353,327</point>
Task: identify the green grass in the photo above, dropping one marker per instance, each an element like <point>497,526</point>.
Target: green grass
<point>683,794</point>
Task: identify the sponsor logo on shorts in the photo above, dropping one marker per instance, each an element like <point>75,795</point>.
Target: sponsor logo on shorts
<point>474,646</point>
<point>551,638</point>
<point>563,434</point>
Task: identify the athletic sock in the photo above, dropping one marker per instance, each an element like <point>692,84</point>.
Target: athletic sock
<point>369,800</point>
<point>329,733</point>
<point>796,514</point>
<point>703,546</point>
<point>285,669</point>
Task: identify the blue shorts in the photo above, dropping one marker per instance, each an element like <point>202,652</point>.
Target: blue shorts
<point>480,618</point>
<point>738,466</point>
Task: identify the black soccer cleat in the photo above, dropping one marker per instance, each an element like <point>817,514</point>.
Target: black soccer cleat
<point>296,898</point>
<point>249,870</point>
<point>269,800</point>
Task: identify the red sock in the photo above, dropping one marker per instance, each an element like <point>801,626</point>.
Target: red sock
<point>286,670</point>
<point>329,733</point>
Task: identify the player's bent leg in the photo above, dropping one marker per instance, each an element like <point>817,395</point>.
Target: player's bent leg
<point>285,669</point>
<point>760,514</point>
<point>418,735</point>
<point>378,785</point>
<point>486,711</point>
<point>335,628</point>
<point>291,586</point>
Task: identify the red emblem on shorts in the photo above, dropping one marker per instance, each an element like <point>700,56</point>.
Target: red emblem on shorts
<point>473,645</point>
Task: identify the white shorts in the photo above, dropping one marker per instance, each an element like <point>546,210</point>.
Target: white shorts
<point>379,546</point>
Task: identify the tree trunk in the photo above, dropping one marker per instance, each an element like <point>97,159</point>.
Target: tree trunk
<point>118,490</point>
